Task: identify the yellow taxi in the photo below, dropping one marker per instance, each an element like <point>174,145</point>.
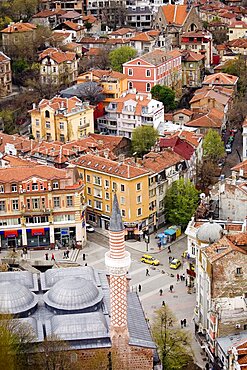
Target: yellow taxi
<point>146,258</point>
<point>175,264</point>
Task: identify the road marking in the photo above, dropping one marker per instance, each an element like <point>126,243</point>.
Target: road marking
<point>134,272</point>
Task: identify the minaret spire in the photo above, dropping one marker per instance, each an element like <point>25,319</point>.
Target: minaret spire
<point>117,261</point>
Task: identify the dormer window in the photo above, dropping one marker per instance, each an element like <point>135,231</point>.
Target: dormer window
<point>35,186</point>
<point>47,114</point>
<point>14,188</point>
<point>55,185</point>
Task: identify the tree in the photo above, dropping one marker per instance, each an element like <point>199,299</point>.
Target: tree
<point>219,36</point>
<point>206,173</point>
<point>143,138</point>
<point>90,91</point>
<point>120,56</point>
<point>173,343</point>
<point>24,9</point>
<point>114,15</point>
<point>4,21</point>
<point>238,67</point>
<point>213,146</point>
<point>181,201</point>
<point>166,95</point>
<point>238,111</point>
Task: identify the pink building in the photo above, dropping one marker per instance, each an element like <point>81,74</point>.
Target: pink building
<point>157,67</point>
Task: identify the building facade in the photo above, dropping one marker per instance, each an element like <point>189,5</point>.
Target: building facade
<point>192,68</point>
<point>40,207</point>
<point>16,34</point>
<point>158,67</point>
<point>200,42</point>
<point>62,119</point>
<point>5,75</point>
<point>123,115</point>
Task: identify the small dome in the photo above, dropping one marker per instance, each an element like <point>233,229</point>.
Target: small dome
<point>16,298</point>
<point>209,232</point>
<point>74,293</point>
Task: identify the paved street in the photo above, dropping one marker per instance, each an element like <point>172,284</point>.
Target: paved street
<point>181,303</point>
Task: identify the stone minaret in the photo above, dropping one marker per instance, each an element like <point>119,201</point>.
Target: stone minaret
<point>117,262</point>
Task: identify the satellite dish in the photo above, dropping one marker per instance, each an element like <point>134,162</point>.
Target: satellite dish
<point>202,196</point>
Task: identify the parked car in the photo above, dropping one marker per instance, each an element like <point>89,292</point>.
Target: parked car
<point>90,228</point>
<point>175,264</point>
<point>228,148</point>
<point>150,260</point>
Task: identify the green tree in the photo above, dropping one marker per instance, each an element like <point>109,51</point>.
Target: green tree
<point>206,175</point>
<point>181,201</point>
<point>143,138</point>
<point>24,9</point>
<point>121,55</point>
<point>4,21</point>
<point>8,121</point>
<point>166,95</point>
<point>238,67</point>
<point>213,146</point>
<point>172,342</point>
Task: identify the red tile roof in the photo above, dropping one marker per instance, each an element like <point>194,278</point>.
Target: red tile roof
<point>175,14</point>
<point>205,121</point>
<point>220,249</point>
<point>19,27</point>
<point>58,103</point>
<point>220,78</point>
<point>57,55</point>
<point>8,175</point>
<point>179,146</point>
<point>157,162</point>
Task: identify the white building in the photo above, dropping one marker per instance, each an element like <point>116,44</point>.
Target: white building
<point>130,111</point>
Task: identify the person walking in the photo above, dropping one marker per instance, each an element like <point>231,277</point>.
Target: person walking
<point>147,272</point>
<point>139,288</point>
<point>83,257</point>
<point>163,304</point>
<point>182,323</point>
<point>169,249</point>
<point>177,277</point>
<point>185,323</point>
<point>86,264</point>
<point>161,292</point>
<point>46,256</point>
<point>159,244</point>
<point>171,288</point>
<point>52,257</point>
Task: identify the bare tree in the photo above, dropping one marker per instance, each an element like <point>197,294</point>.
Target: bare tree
<point>91,91</point>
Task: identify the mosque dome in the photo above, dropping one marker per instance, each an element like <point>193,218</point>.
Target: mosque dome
<point>73,294</point>
<point>16,298</point>
<point>209,232</point>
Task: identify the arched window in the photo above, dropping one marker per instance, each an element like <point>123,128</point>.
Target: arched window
<point>148,87</point>
<point>193,27</point>
<point>47,114</point>
<point>130,85</point>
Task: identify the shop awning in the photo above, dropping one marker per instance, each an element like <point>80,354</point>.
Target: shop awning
<point>36,232</point>
<point>10,234</point>
<point>170,232</point>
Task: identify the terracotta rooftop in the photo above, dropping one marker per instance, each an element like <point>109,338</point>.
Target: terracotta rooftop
<point>139,102</point>
<point>220,249</point>
<point>103,165</point>
<point>239,239</point>
<point>191,56</point>
<point>72,14</point>
<point>67,104</point>
<point>8,175</point>
<point>48,13</point>
<point>178,145</point>
<point>143,37</point>
<point>94,52</point>
<point>89,18</point>
<point>220,79</point>
<point>238,43</point>
<point>238,24</point>
<point>57,55</point>
<point>157,162</point>
<point>188,136</point>
<point>210,94</point>
<point>74,26</point>
<point>157,56</point>
<point>19,27</point>
<point>175,14</point>
<point>241,166</point>
<point>122,31</point>
<point>3,57</point>
<point>18,162</point>
<point>205,120</point>
<point>102,73</point>
<point>185,111</point>
<point>197,33</point>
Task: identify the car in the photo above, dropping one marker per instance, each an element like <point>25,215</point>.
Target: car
<point>150,260</point>
<point>175,264</point>
<point>228,148</point>
<point>90,228</point>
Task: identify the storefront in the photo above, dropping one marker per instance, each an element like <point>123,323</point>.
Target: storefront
<point>105,222</point>
<point>65,235</point>
<point>38,237</point>
<point>11,239</point>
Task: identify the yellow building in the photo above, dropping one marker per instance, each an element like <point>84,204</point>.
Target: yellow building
<point>103,177</point>
<point>62,119</point>
<point>113,83</point>
<point>41,206</point>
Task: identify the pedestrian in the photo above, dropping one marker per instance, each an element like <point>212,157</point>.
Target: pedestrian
<point>46,256</point>
<point>161,292</point>
<point>183,276</point>
<point>67,253</point>
<point>186,282</point>
<point>169,249</point>
<point>185,323</point>
<point>170,259</point>
<point>139,288</point>
<point>177,277</point>
<point>84,257</point>
<point>182,323</point>
<point>171,288</point>
<point>86,264</point>
<point>64,254</point>
<point>52,257</point>
<point>159,244</point>
<point>163,303</point>
<point>147,272</point>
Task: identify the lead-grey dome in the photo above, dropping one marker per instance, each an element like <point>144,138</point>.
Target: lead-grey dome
<point>209,232</point>
<point>16,298</point>
<point>72,294</point>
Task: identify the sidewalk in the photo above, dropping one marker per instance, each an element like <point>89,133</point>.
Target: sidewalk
<point>142,246</point>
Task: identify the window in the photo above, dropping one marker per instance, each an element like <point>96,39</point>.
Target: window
<point>13,188</point>
<point>2,205</point>
<point>148,73</point>
<point>139,199</point>
<point>56,202</point>
<point>55,185</point>
<point>61,125</point>
<point>37,122</point>
<point>138,186</point>
<point>122,200</point>
<point>48,125</point>
<point>89,190</point>
<point>97,180</point>
<point>130,85</point>
<point>123,212</point>
<point>48,136</point>
<point>107,183</point>
<point>97,193</point>
<point>107,196</point>
<point>1,188</point>
<point>98,205</point>
<point>107,208</point>
<point>69,201</point>
<point>89,203</point>
<point>88,178</point>
<point>54,69</point>
<point>37,134</point>
<point>239,271</point>
<point>62,139</point>
<point>41,186</point>
<point>130,72</point>
<point>47,114</point>
<point>114,186</point>
<point>139,212</point>
<point>28,203</point>
<point>148,87</point>
<point>122,187</point>
<point>34,186</point>
<point>43,202</point>
<point>35,203</point>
